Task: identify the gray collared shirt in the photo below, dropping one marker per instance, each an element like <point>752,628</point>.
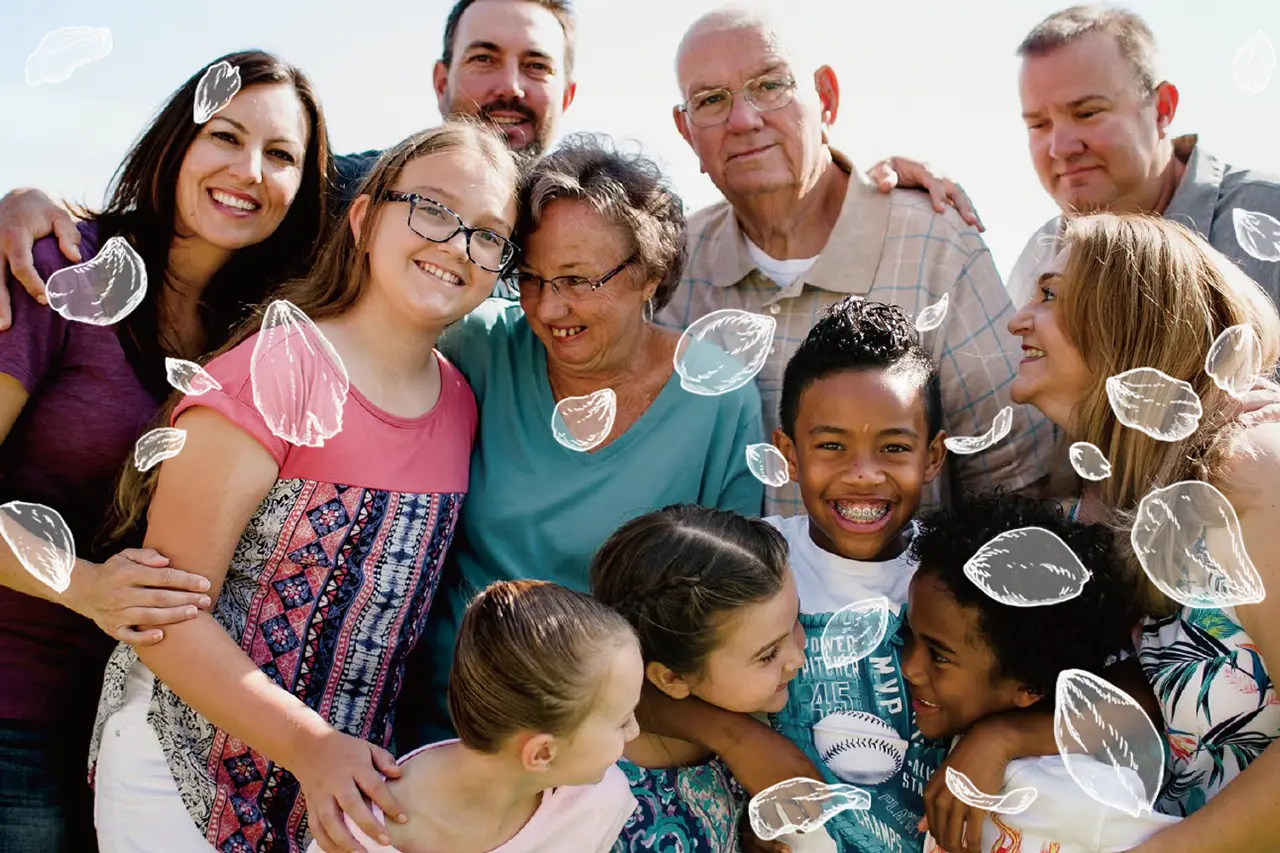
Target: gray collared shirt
<point>1210,190</point>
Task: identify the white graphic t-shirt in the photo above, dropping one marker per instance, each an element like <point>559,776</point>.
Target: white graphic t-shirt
<point>855,721</point>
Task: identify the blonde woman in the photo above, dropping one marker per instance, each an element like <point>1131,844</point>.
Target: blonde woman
<point>1128,292</point>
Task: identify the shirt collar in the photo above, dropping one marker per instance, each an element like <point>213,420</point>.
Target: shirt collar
<point>845,265</point>
<point>1196,198</point>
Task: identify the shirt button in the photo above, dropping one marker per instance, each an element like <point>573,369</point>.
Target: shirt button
<point>774,309</point>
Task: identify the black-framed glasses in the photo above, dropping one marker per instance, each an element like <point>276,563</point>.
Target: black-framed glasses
<point>568,286</point>
<point>766,93</point>
<point>431,220</point>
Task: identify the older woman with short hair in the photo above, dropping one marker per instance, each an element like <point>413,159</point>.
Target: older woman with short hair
<point>603,240</point>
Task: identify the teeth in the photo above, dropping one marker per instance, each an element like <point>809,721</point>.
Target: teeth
<point>927,704</point>
<point>233,201</point>
<point>566,333</point>
<point>862,511</point>
<point>438,272</point>
<point>506,120</point>
<point>1032,352</point>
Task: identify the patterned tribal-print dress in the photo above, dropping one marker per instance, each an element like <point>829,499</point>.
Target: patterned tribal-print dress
<point>327,592</point>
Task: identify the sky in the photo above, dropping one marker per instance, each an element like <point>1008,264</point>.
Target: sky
<point>930,79</point>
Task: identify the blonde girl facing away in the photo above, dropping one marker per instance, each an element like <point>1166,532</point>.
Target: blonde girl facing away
<point>543,693</point>
<point>264,721</point>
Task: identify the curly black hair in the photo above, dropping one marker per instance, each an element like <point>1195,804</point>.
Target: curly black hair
<point>855,334</point>
<point>1031,645</point>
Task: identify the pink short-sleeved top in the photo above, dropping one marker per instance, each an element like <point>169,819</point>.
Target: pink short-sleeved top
<point>327,591</point>
<point>580,818</point>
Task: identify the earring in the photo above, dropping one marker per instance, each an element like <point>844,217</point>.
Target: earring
<point>646,313</point>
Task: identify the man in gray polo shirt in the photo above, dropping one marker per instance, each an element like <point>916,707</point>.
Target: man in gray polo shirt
<point>1098,118</point>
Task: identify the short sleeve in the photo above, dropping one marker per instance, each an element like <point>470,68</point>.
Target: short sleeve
<point>31,346</point>
<point>234,400</point>
<point>29,349</point>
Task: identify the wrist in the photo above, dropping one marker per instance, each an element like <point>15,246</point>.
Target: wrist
<point>307,730</point>
<point>74,597</point>
<point>1012,734</point>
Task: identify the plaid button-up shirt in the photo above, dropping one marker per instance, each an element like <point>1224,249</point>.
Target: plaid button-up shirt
<point>889,248</point>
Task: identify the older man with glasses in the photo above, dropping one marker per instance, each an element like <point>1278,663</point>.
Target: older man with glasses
<point>800,229</point>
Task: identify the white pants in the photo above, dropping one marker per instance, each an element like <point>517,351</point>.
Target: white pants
<point>137,808</point>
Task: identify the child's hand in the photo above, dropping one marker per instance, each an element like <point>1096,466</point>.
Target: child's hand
<point>982,755</point>
<point>752,843</point>
<point>336,773</point>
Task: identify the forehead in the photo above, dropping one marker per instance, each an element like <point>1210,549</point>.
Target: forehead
<point>271,110</point>
<point>726,55</point>
<point>750,627</point>
<point>463,180</point>
<point>931,609</point>
<point>1089,65</point>
<point>872,397</point>
<point>515,26</point>
<point>622,673</point>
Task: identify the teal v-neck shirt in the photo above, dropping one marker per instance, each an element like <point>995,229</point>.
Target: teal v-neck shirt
<point>535,509</point>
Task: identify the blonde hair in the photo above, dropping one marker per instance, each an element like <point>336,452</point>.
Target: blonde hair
<point>1143,291</point>
<point>530,657</point>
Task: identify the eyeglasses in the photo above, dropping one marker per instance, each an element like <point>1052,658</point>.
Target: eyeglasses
<point>711,107</point>
<point>432,221</point>
<point>570,287</point>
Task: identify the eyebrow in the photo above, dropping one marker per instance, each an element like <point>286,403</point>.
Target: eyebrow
<point>891,431</point>
<point>240,127</point>
<point>770,645</point>
<point>486,220</point>
<point>492,47</point>
<point>1045,276</point>
<point>935,643</point>
<point>1071,105</point>
<point>771,68</point>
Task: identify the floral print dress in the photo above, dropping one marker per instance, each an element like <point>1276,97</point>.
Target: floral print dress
<point>1217,698</point>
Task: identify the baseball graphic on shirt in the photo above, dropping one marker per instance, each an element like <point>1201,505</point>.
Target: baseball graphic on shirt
<point>860,748</point>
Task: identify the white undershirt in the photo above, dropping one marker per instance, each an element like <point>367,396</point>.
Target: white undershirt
<point>780,272</point>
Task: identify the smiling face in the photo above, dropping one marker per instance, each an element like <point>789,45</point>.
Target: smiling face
<point>597,743</point>
<point>434,284</point>
<point>1052,375</point>
<point>509,69</point>
<point>861,454</point>
<point>754,152</point>
<point>759,649</point>
<point>599,330</point>
<point>243,170</point>
<point>1094,139</point>
<point>950,669</point>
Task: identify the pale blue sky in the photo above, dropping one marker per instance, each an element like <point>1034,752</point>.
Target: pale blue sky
<point>934,79</point>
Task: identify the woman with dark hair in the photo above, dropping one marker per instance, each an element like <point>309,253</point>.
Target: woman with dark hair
<point>218,212</point>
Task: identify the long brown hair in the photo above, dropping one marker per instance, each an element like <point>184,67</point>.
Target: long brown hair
<point>334,282</point>
<point>142,206</point>
<point>529,658</point>
<point>1143,291</point>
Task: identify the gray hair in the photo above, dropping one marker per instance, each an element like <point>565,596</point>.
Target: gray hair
<point>1133,36</point>
<point>627,190</point>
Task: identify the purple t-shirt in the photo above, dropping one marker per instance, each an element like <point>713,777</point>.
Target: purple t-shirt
<point>85,411</point>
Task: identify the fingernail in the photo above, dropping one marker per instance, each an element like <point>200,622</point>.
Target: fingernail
<point>204,601</point>
<point>204,584</point>
<point>191,612</point>
<point>42,299</point>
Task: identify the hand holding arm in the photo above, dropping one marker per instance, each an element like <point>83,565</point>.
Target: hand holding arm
<point>901,173</point>
<point>26,215</point>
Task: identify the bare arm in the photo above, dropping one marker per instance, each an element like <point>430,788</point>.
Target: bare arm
<point>26,215</point>
<point>757,756</point>
<point>1244,817</point>
<point>204,499</point>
